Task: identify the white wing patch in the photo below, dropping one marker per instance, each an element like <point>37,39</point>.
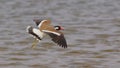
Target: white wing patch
<point>51,32</point>
<point>41,23</point>
<point>38,32</point>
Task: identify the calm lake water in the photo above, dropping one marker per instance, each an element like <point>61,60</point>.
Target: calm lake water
<point>92,31</point>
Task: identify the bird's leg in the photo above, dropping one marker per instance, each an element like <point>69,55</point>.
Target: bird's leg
<point>34,43</point>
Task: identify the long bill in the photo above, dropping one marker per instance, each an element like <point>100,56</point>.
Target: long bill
<point>34,43</point>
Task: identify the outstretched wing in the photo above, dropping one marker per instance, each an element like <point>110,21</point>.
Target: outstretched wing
<point>57,38</point>
<point>34,32</point>
<point>42,24</point>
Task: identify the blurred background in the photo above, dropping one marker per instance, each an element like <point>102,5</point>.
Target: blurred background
<point>92,31</point>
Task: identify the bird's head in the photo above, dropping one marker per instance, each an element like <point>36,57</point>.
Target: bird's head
<point>58,28</point>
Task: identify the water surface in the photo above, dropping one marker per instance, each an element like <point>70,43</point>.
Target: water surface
<point>92,31</point>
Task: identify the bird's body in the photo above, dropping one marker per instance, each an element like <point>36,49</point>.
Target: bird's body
<point>45,28</point>
<point>36,33</point>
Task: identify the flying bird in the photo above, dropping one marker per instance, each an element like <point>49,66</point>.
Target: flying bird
<point>45,28</point>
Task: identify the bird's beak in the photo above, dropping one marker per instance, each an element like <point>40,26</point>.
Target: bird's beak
<point>62,28</point>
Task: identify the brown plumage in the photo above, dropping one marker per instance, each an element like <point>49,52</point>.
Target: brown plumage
<point>46,27</point>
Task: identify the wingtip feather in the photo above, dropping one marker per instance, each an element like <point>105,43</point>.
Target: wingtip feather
<point>27,29</point>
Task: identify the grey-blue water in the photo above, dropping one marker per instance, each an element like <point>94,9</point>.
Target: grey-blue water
<point>92,31</point>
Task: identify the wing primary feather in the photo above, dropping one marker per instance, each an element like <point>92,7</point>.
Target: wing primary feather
<point>60,40</point>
